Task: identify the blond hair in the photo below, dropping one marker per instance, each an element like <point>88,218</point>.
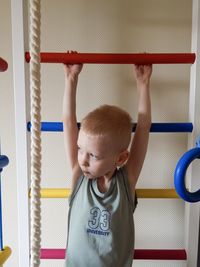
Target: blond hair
<point>109,121</point>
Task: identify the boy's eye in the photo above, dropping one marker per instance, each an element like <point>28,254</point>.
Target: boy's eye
<point>93,156</point>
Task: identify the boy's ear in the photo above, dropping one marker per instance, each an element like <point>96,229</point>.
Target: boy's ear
<point>122,158</point>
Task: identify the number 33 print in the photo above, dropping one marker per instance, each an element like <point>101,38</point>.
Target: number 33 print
<point>99,219</point>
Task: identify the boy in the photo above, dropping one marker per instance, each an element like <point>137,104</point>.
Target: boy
<point>104,175</point>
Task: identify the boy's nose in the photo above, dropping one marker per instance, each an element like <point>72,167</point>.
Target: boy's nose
<point>84,160</point>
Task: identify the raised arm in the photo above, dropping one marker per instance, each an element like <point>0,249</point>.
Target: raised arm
<point>141,137</point>
<point>69,118</point>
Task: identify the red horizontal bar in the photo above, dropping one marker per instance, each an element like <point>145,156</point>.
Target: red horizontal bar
<point>160,254</point>
<point>3,65</point>
<point>52,254</point>
<point>139,254</point>
<point>144,58</point>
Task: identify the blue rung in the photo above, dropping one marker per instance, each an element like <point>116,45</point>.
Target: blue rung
<point>170,127</point>
<point>3,161</point>
<point>180,127</point>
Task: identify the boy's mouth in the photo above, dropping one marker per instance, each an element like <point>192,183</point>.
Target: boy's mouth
<point>88,175</point>
<point>86,172</point>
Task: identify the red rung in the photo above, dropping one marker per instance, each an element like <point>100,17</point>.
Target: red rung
<point>106,58</point>
<point>51,253</point>
<point>3,65</point>
<point>139,254</point>
<point>160,254</point>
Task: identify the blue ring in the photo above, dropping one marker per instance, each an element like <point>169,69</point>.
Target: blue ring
<point>179,176</point>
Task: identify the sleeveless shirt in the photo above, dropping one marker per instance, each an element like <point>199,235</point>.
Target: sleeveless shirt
<point>100,225</point>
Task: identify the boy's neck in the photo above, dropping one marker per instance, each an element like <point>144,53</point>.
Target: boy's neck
<point>104,182</point>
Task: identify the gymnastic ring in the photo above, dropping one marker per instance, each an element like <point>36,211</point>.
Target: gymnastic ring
<point>179,176</point>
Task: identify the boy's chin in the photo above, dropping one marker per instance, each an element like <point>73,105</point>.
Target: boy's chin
<point>88,175</point>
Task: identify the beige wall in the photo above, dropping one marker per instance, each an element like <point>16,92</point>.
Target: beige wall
<point>7,135</point>
<point>104,26</point>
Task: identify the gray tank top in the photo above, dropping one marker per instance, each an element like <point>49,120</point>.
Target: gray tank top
<point>100,225</point>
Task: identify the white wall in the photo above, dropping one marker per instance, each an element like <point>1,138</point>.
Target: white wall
<point>105,26</point>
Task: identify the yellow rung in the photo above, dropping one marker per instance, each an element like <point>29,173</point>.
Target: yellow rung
<point>4,255</point>
<point>55,193</point>
<point>156,193</point>
<point>141,193</point>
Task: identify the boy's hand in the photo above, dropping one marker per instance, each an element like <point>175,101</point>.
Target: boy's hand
<point>142,74</point>
<point>72,70</point>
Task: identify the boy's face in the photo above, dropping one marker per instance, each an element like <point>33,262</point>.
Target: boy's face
<point>96,157</point>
